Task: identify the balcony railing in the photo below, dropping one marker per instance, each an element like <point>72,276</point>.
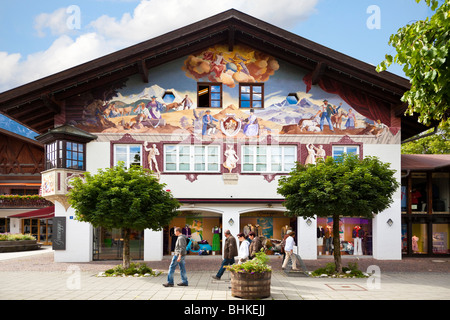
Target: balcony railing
<point>28,201</point>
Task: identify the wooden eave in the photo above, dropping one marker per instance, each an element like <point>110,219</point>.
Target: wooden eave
<point>35,104</point>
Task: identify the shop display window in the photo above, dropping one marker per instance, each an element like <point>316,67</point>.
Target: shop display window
<point>419,238</point>
<point>355,235</point>
<point>441,238</point>
<point>418,192</point>
<point>108,244</point>
<point>441,192</point>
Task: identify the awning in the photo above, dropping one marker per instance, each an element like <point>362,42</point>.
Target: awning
<point>423,162</point>
<point>44,213</point>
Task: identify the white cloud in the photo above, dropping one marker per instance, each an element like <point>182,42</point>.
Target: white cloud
<point>55,21</point>
<point>149,19</point>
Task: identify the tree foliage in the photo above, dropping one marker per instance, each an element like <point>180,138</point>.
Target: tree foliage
<point>122,198</point>
<point>345,186</point>
<point>423,50</point>
<point>438,143</point>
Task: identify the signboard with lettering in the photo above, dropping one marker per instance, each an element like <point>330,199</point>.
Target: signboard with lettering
<point>59,233</point>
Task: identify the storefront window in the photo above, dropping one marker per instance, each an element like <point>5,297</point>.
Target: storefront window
<point>441,192</point>
<point>419,239</point>
<point>418,192</point>
<point>108,244</point>
<point>404,238</point>
<point>4,225</point>
<point>355,235</point>
<point>441,239</point>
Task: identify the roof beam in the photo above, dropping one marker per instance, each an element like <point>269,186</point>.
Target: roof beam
<point>142,69</point>
<point>318,72</point>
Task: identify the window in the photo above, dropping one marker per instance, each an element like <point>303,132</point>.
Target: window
<point>191,158</point>
<point>268,158</point>
<point>130,154</point>
<point>251,95</point>
<point>65,154</point>
<point>340,150</point>
<point>209,95</point>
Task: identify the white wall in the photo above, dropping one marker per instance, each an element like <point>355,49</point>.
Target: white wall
<point>387,240</point>
<point>79,237</point>
<point>307,239</point>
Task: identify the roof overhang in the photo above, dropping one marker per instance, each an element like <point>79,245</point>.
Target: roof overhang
<point>425,162</point>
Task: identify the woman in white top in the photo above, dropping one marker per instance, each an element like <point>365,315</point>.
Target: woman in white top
<point>243,248</point>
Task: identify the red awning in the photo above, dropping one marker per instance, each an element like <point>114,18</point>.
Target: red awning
<point>44,213</point>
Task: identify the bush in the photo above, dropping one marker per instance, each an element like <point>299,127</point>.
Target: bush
<point>138,269</point>
<point>16,237</point>
<point>330,270</point>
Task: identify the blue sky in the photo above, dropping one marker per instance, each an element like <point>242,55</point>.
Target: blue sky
<point>39,38</point>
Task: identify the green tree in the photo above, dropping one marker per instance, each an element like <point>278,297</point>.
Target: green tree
<point>123,198</point>
<point>438,143</point>
<point>423,50</point>
<point>341,187</point>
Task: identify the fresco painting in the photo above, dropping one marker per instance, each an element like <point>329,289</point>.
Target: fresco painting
<point>169,103</point>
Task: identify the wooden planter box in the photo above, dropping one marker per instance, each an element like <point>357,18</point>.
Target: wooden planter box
<point>250,286</point>
<point>19,245</point>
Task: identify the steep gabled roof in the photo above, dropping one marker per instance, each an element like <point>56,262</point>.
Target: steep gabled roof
<point>36,103</point>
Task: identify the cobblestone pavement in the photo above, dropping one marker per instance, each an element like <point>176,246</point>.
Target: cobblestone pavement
<point>34,276</point>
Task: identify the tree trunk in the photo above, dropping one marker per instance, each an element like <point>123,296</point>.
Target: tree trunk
<point>336,244</point>
<point>126,248</point>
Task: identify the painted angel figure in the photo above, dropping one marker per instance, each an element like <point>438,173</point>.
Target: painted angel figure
<point>231,158</point>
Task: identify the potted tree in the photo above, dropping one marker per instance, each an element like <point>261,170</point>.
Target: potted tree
<point>251,279</point>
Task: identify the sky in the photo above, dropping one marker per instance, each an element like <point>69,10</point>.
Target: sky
<point>40,38</point>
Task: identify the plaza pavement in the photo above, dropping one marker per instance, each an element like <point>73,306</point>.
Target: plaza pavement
<point>33,275</point>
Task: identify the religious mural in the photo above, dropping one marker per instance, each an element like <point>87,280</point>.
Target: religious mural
<point>218,93</point>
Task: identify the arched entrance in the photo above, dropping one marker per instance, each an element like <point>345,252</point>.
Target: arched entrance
<point>202,226</point>
<point>270,224</point>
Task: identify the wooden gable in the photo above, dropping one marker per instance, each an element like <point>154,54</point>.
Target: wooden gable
<point>40,105</point>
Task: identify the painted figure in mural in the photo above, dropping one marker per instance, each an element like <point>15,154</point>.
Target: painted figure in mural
<point>351,119</point>
<point>208,125</point>
<point>320,153</point>
<point>252,126</point>
<point>379,128</point>
<point>311,157</point>
<point>325,113</point>
<point>152,153</point>
<point>154,108</point>
<point>186,103</point>
<point>231,158</point>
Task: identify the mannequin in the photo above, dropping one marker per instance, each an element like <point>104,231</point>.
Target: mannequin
<point>216,239</point>
<point>357,235</point>
<point>186,231</point>
<point>320,236</point>
<point>415,246</point>
<point>328,240</point>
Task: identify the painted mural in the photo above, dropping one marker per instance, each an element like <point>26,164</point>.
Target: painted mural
<point>278,102</point>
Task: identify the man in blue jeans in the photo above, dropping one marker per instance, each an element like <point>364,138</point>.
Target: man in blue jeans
<point>230,251</point>
<point>178,259</point>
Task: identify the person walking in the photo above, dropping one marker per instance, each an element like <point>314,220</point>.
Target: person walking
<point>283,245</point>
<point>178,260</point>
<point>230,251</point>
<point>289,249</point>
<point>255,245</point>
<point>243,248</point>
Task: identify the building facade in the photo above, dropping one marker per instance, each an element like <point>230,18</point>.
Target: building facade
<point>219,110</point>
